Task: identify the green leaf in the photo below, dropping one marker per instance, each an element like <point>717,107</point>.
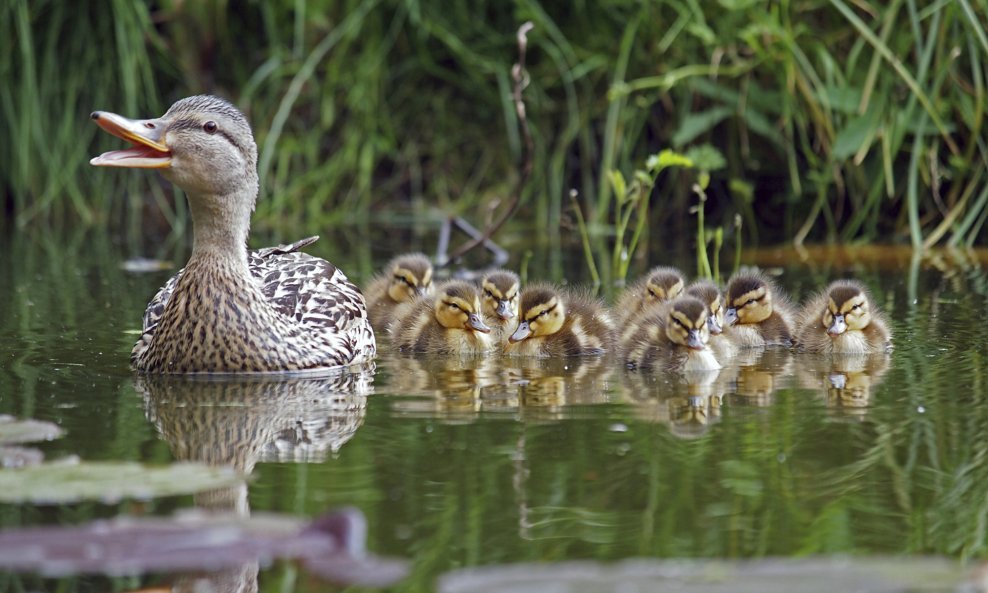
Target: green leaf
<point>668,158</point>
<point>706,158</point>
<point>618,185</point>
<point>699,123</point>
<point>109,482</point>
<point>856,132</point>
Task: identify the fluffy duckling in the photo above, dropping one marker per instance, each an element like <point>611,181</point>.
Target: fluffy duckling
<point>843,320</point>
<point>448,322</point>
<point>661,284</point>
<point>405,278</point>
<point>672,337</point>
<point>499,298</point>
<point>708,293</point>
<point>554,322</point>
<point>758,313</point>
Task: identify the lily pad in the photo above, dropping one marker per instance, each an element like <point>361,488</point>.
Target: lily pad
<point>332,547</point>
<point>109,482</point>
<point>13,431</point>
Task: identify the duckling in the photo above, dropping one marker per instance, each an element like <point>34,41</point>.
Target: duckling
<point>229,311</point>
<point>673,337</point>
<point>448,322</point>
<point>405,278</point>
<point>555,322</point>
<point>499,297</point>
<point>708,293</point>
<point>758,313</point>
<point>660,285</point>
<point>843,320</point>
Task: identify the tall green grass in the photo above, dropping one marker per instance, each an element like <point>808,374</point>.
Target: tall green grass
<point>838,121</point>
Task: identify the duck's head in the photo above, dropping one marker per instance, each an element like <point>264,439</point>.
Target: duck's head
<point>411,277</point>
<point>663,284</point>
<point>848,308</point>
<point>542,313</point>
<point>749,299</point>
<point>458,307</point>
<point>686,323</point>
<point>202,144</point>
<point>500,294</point>
<point>708,293</point>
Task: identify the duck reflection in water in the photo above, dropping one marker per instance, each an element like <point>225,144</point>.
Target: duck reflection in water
<point>846,381</point>
<point>444,387</point>
<point>240,421</point>
<point>688,403</point>
<point>757,374</point>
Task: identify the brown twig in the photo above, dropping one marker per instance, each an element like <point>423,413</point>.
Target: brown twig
<point>521,80</point>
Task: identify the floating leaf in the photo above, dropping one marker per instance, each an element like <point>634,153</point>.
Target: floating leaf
<point>13,431</point>
<point>109,482</point>
<point>332,546</point>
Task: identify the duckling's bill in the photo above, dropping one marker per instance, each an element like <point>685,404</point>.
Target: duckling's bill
<point>521,333</point>
<point>148,150</point>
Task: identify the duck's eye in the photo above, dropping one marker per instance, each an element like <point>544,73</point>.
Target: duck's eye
<point>750,301</point>
<point>489,293</point>
<point>210,127</point>
<point>855,307</point>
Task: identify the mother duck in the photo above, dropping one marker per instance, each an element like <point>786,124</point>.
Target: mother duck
<point>230,311</point>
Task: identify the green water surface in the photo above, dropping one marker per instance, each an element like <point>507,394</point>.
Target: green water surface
<point>464,463</point>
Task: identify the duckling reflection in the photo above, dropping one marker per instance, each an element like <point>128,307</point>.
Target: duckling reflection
<point>444,387</point>
<point>688,403</point>
<point>758,374</point>
<point>548,386</point>
<point>845,380</point>
<point>243,420</point>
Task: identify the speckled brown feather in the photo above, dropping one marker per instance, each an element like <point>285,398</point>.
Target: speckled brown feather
<point>315,307</point>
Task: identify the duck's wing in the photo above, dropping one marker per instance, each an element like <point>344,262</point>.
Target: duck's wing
<point>264,264</point>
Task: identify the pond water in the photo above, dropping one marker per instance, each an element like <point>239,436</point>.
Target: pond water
<point>489,462</point>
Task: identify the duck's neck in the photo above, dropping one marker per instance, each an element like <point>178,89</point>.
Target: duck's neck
<point>220,226</point>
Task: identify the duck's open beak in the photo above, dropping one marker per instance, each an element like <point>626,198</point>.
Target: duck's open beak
<point>521,333</point>
<point>148,150</point>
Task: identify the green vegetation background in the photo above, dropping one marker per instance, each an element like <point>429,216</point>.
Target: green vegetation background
<point>836,120</point>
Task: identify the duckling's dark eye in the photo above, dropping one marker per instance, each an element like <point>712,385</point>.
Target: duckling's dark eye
<point>210,127</point>
<point>489,293</point>
<point>855,307</point>
<point>750,301</point>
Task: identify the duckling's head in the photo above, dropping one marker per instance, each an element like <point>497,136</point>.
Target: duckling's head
<point>458,307</point>
<point>411,276</point>
<point>663,284</point>
<point>500,294</point>
<point>848,308</point>
<point>542,313</point>
<point>708,293</point>
<point>686,323</point>
<point>749,299</point>
<point>202,144</point>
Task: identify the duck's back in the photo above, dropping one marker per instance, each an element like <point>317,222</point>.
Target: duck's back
<point>325,310</point>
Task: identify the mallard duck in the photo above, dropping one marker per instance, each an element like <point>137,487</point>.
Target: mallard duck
<point>221,316</point>
<point>672,337</point>
<point>448,322</point>
<point>556,322</point>
<point>405,278</point>
<point>843,320</point>
<point>708,293</point>
<point>500,290</point>
<point>659,285</point>
<point>758,313</point>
